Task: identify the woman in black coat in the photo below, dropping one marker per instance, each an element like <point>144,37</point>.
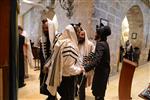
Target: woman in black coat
<point>101,63</point>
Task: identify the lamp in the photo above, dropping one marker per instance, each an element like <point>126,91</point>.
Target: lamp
<point>68,6</point>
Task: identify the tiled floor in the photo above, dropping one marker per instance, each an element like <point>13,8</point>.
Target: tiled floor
<point>140,81</point>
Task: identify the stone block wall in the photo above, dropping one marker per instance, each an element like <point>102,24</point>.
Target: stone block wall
<point>110,10</point>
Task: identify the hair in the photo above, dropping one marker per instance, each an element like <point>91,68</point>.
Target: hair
<point>77,27</point>
<point>20,28</point>
<point>44,21</point>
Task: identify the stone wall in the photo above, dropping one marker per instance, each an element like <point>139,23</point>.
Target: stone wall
<point>110,10</point>
<point>135,19</point>
<point>32,24</point>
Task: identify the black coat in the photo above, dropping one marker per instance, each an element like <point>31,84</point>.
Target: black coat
<point>21,59</point>
<point>43,76</point>
<point>101,63</point>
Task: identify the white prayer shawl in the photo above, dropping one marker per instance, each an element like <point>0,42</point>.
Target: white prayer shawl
<point>52,30</point>
<point>86,48</point>
<point>58,63</point>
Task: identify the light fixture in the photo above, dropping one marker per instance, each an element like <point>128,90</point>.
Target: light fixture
<point>68,6</point>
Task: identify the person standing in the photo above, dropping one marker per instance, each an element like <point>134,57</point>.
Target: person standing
<point>101,63</point>
<point>45,52</point>
<point>28,56</point>
<point>121,53</point>
<point>128,50</point>
<point>21,57</point>
<point>136,55</point>
<point>64,65</point>
<point>86,47</point>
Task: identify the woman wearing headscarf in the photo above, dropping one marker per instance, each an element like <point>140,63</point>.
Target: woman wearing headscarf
<point>64,65</point>
<point>101,63</point>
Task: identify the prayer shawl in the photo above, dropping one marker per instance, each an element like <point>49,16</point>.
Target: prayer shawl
<point>59,60</point>
<point>85,49</point>
<point>48,40</point>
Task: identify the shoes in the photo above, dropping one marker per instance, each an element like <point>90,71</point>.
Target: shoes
<point>22,85</point>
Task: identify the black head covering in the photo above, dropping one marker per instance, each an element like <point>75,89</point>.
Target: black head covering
<point>20,28</point>
<point>103,32</point>
<point>77,27</point>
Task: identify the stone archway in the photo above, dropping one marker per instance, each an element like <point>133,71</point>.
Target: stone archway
<point>135,33</point>
<point>132,28</point>
<point>135,26</point>
<point>135,21</point>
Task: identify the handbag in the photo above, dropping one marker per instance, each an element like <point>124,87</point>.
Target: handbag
<point>145,94</point>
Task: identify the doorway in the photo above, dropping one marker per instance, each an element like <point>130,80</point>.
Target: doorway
<point>132,31</point>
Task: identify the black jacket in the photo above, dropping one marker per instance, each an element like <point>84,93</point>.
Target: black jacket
<point>101,63</point>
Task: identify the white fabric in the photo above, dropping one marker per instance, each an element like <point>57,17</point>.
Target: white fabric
<point>52,31</point>
<point>70,66</point>
<point>70,37</point>
<point>129,47</point>
<point>59,65</point>
<point>28,53</point>
<point>86,48</point>
<point>43,40</point>
<point>55,23</point>
<point>69,33</point>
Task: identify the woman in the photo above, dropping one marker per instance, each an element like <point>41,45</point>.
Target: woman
<point>101,63</point>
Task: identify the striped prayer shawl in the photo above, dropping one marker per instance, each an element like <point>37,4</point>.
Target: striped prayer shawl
<point>70,51</point>
<point>46,47</point>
